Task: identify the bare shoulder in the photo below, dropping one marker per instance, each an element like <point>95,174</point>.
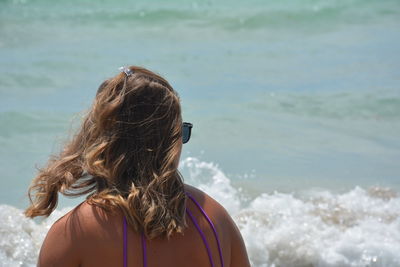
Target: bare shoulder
<point>231,233</point>
<point>70,236</point>
<point>83,220</point>
<point>57,247</point>
<point>202,197</point>
<point>212,206</point>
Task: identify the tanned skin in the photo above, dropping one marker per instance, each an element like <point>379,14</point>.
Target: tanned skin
<point>89,236</point>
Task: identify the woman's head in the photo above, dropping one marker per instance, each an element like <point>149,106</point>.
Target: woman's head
<point>133,130</point>
<point>125,155</point>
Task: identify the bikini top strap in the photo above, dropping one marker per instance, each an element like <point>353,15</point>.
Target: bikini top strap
<point>143,239</point>
<point>202,236</point>
<point>144,247</point>
<point>211,224</point>
<point>125,244</point>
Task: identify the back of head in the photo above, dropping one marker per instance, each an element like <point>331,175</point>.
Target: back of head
<point>125,155</point>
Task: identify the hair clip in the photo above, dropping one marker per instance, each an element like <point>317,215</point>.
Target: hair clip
<point>126,70</point>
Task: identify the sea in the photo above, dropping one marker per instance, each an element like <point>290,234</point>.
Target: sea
<point>295,106</point>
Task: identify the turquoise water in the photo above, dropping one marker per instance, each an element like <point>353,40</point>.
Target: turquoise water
<point>285,96</point>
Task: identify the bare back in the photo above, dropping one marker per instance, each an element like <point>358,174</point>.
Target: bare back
<point>89,236</point>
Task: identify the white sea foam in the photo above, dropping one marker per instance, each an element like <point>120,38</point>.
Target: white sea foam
<point>20,237</point>
<point>315,228</point>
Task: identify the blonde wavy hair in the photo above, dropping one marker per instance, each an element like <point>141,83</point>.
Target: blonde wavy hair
<point>125,156</point>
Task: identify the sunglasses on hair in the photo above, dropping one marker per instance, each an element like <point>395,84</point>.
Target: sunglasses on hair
<point>186,131</point>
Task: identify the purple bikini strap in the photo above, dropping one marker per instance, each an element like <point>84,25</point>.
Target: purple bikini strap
<point>125,244</point>
<point>143,239</point>
<point>202,236</point>
<point>212,226</point>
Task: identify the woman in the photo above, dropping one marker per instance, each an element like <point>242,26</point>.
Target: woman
<point>138,211</point>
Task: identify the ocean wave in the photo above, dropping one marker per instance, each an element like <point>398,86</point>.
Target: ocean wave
<point>315,228</point>
<point>232,16</point>
<point>360,227</point>
<point>21,238</point>
<point>336,105</point>
<point>24,123</point>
